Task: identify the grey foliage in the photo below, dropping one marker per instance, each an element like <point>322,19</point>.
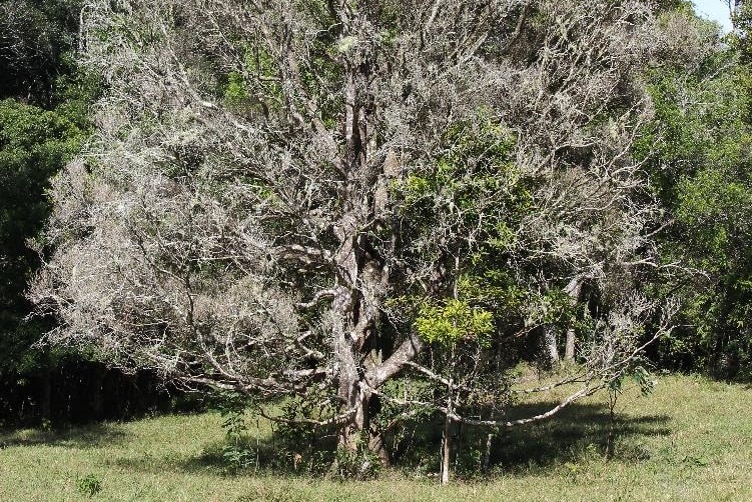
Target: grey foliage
<point>238,219</point>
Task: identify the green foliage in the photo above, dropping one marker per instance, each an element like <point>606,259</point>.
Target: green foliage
<point>236,91</point>
<point>474,165</point>
<point>38,36</point>
<point>452,322</point>
<point>44,107</point>
<point>359,463</point>
<point>740,39</point>
<point>301,446</point>
<point>89,485</point>
<point>476,160</point>
<point>236,454</point>
<point>717,206</point>
<point>34,145</point>
<point>699,156</point>
<point>639,376</point>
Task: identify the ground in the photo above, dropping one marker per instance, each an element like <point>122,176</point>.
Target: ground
<point>689,441</point>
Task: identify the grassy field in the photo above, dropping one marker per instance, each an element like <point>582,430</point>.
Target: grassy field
<point>690,441</point>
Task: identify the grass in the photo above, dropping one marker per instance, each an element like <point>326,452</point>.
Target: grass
<point>689,441</point>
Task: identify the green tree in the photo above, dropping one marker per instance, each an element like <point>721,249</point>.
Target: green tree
<point>36,47</point>
<point>34,145</point>
<point>43,120</point>
<point>700,162</point>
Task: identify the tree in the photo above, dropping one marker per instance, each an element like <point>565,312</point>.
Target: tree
<point>35,49</point>
<point>34,145</point>
<point>699,160</point>
<point>44,102</point>
<point>37,138</point>
<point>309,198</point>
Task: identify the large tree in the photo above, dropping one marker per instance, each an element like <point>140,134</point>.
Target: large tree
<point>307,197</point>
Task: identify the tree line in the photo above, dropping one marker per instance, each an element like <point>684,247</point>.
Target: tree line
<point>45,99</point>
<point>374,212</point>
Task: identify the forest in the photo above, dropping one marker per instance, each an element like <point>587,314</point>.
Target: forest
<point>373,229</point>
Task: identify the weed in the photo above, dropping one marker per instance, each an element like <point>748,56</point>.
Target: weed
<point>89,485</point>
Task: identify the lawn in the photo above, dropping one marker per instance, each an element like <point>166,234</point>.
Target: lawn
<point>689,441</point>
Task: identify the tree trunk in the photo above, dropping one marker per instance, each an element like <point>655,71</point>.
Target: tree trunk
<point>570,343</point>
<point>446,440</point>
<point>446,450</point>
<point>549,344</point>
<point>351,331</point>
<point>573,289</point>
<point>487,451</point>
<point>351,434</point>
<point>377,447</point>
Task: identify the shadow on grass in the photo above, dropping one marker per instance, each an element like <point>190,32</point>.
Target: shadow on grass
<point>265,456</point>
<point>575,434</point>
<point>90,436</point>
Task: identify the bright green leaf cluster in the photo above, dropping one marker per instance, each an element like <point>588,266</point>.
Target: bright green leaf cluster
<point>452,322</point>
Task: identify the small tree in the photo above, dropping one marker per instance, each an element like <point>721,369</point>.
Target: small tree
<point>277,187</point>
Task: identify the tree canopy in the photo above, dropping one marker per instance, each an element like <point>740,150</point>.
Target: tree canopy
<point>325,199</point>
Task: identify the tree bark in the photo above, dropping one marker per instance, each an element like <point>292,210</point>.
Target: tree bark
<point>573,289</point>
<point>446,447</point>
<point>570,344</point>
<point>549,343</point>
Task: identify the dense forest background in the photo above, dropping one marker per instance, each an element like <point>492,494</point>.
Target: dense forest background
<point>45,101</point>
<point>694,148</point>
